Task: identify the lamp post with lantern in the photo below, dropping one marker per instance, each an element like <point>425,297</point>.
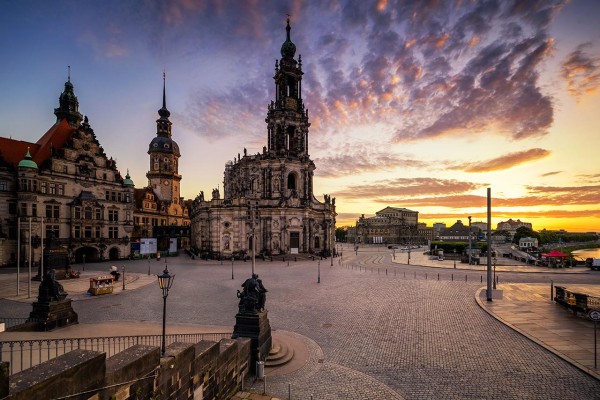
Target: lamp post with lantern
<point>165,281</point>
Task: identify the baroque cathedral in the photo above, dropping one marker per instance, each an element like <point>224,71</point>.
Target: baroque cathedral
<point>268,197</point>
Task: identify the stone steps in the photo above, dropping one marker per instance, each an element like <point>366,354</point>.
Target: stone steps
<point>279,355</point>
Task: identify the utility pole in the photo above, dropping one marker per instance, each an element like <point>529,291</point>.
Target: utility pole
<point>489,244</point>
<point>469,240</point>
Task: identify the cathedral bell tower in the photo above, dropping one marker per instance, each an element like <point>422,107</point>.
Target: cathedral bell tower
<point>287,120</point>
<point>163,175</point>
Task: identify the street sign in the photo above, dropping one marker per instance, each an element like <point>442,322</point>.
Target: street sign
<point>594,315</point>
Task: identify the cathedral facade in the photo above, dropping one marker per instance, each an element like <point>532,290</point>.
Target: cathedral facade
<point>268,197</point>
<point>64,189</point>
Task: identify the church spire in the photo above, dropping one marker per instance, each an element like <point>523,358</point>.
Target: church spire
<point>68,104</point>
<point>288,48</point>
<point>163,125</point>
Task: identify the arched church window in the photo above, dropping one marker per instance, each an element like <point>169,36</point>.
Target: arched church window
<point>291,182</point>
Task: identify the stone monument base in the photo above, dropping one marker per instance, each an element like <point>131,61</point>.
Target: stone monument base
<point>257,328</point>
<point>52,315</point>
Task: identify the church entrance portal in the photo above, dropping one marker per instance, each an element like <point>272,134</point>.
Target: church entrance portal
<point>294,242</point>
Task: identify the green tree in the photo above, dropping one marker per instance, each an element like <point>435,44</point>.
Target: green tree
<point>341,234</point>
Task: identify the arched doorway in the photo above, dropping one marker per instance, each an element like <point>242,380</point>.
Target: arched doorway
<point>114,253</point>
<point>86,254</point>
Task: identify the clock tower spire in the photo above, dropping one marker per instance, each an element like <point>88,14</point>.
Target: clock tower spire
<point>163,175</point>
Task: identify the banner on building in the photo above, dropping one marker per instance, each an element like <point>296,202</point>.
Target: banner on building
<point>148,246</point>
<point>173,245</point>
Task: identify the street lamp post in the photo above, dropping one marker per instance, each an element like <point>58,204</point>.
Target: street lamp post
<point>83,256</point>
<point>165,281</point>
<point>232,268</point>
<point>123,273</point>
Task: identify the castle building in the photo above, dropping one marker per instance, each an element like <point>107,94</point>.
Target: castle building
<point>160,212</point>
<point>269,195</point>
<point>391,225</point>
<point>63,188</point>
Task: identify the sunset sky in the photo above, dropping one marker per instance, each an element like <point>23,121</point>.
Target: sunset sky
<point>416,104</point>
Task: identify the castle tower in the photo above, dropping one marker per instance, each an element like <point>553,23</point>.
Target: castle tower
<point>163,174</point>
<point>68,105</point>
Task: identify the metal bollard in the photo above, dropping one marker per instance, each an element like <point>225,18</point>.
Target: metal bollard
<point>481,278</point>
<point>386,272</point>
<point>438,276</point>
<point>425,275</point>
<point>551,290</point>
<point>260,369</point>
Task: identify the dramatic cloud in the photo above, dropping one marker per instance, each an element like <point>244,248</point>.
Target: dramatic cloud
<point>407,187</point>
<point>551,173</point>
<point>424,70</point>
<point>593,213</point>
<point>503,162</point>
<point>349,160</point>
<point>581,70</point>
<point>590,178</point>
<point>429,192</point>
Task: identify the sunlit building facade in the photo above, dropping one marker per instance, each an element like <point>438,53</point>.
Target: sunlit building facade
<point>391,225</point>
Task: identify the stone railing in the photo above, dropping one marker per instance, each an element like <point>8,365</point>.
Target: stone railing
<point>204,370</point>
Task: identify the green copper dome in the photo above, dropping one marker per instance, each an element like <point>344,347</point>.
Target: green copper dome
<point>288,49</point>
<point>127,181</point>
<point>27,162</point>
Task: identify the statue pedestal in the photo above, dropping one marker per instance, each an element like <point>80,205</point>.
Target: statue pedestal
<point>256,327</point>
<point>51,315</point>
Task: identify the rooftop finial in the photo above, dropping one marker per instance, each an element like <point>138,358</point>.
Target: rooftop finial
<point>288,28</point>
<point>164,90</point>
<point>69,73</point>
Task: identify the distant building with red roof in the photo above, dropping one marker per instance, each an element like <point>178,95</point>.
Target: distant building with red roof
<point>511,226</point>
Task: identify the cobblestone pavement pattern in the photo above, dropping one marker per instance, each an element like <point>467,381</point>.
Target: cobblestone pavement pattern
<point>370,335</point>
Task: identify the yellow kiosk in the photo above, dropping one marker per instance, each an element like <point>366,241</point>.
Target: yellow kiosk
<point>101,285</point>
